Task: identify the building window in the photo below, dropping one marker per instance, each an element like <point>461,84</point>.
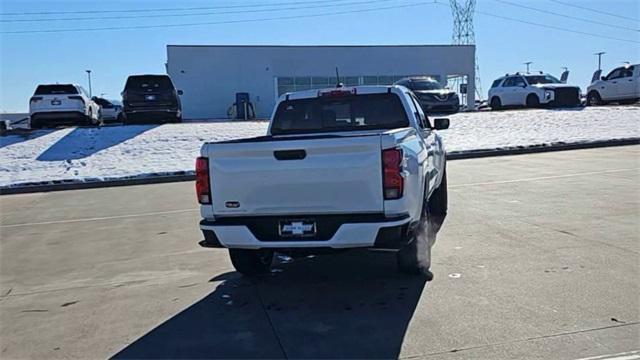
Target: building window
<point>300,83</point>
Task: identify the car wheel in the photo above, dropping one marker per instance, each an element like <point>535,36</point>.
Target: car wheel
<point>533,101</point>
<point>250,262</point>
<point>594,99</point>
<point>496,104</point>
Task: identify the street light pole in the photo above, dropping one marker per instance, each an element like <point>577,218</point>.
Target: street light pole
<point>600,59</point>
<point>528,63</point>
<point>89,76</point>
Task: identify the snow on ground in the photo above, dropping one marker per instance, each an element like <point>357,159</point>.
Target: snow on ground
<point>117,152</point>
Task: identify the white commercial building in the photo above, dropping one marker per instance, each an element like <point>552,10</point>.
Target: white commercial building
<point>211,75</point>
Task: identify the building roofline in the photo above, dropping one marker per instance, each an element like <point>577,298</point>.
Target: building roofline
<point>319,46</point>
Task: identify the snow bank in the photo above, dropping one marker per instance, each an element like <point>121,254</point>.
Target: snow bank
<point>118,152</point>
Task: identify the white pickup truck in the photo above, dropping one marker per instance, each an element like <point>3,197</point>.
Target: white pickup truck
<point>357,167</point>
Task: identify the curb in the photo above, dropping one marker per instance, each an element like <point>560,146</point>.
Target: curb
<point>532,149</point>
<point>456,155</point>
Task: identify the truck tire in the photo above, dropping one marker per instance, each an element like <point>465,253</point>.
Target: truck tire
<point>415,257</point>
<point>533,101</point>
<point>250,262</point>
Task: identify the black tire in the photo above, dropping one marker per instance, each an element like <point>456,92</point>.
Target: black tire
<point>251,262</point>
<point>433,214</point>
<point>533,101</point>
<point>34,124</point>
<point>495,104</point>
<point>594,99</point>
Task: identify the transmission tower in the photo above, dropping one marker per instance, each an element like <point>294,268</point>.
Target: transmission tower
<point>463,34</point>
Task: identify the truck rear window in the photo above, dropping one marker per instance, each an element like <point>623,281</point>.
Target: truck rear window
<point>55,89</point>
<point>147,83</point>
<point>349,113</point>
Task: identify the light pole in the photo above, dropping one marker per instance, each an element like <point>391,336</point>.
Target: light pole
<point>528,63</point>
<point>89,76</point>
<point>600,59</point>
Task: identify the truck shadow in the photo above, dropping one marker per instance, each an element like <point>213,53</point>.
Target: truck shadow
<point>350,305</point>
<point>83,142</point>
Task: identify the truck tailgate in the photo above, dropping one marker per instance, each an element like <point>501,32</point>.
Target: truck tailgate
<point>317,175</point>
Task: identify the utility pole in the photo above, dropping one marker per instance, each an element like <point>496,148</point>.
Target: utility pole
<point>599,54</point>
<point>89,76</point>
<point>464,34</point>
<point>528,63</point>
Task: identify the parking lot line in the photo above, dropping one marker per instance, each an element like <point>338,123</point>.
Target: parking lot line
<point>544,178</point>
<point>100,218</point>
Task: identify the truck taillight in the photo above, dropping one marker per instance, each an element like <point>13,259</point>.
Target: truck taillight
<point>203,187</point>
<point>393,182</point>
<point>76,98</point>
<point>35,98</point>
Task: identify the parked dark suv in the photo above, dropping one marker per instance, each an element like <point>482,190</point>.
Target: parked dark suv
<point>151,98</point>
<point>432,96</point>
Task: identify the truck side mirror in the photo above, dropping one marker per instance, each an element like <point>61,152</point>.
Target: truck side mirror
<point>441,123</point>
<point>603,78</point>
<point>180,92</point>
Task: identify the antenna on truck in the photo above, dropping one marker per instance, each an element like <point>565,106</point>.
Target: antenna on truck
<point>339,84</point>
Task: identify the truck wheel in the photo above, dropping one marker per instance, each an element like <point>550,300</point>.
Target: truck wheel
<point>496,104</point>
<point>251,262</point>
<point>533,101</point>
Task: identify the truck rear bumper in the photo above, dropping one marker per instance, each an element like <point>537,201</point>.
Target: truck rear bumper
<point>391,233</point>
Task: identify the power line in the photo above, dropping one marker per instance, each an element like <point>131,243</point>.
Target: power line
<point>566,16</point>
<point>558,28</point>
<point>593,10</point>
<point>165,15</point>
<point>165,9</point>
<point>290,17</point>
<point>551,26</point>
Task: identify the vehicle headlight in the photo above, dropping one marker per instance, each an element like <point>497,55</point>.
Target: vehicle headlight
<point>548,94</point>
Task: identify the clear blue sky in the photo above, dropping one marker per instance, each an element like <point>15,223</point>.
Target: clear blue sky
<point>502,45</point>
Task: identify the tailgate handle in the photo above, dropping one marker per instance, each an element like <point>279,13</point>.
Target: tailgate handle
<point>290,154</point>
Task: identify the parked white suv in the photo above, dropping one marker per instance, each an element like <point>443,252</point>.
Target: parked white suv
<point>108,110</point>
<point>532,90</point>
<point>62,104</point>
<point>339,168</point>
<point>621,85</point>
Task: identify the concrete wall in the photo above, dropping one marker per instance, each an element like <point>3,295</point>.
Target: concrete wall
<point>210,76</point>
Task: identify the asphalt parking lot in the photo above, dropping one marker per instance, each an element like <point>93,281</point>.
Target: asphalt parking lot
<point>539,258</point>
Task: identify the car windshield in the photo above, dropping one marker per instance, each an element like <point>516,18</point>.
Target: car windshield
<point>55,89</point>
<point>424,85</point>
<point>342,113</point>
<point>149,83</point>
<point>541,79</point>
